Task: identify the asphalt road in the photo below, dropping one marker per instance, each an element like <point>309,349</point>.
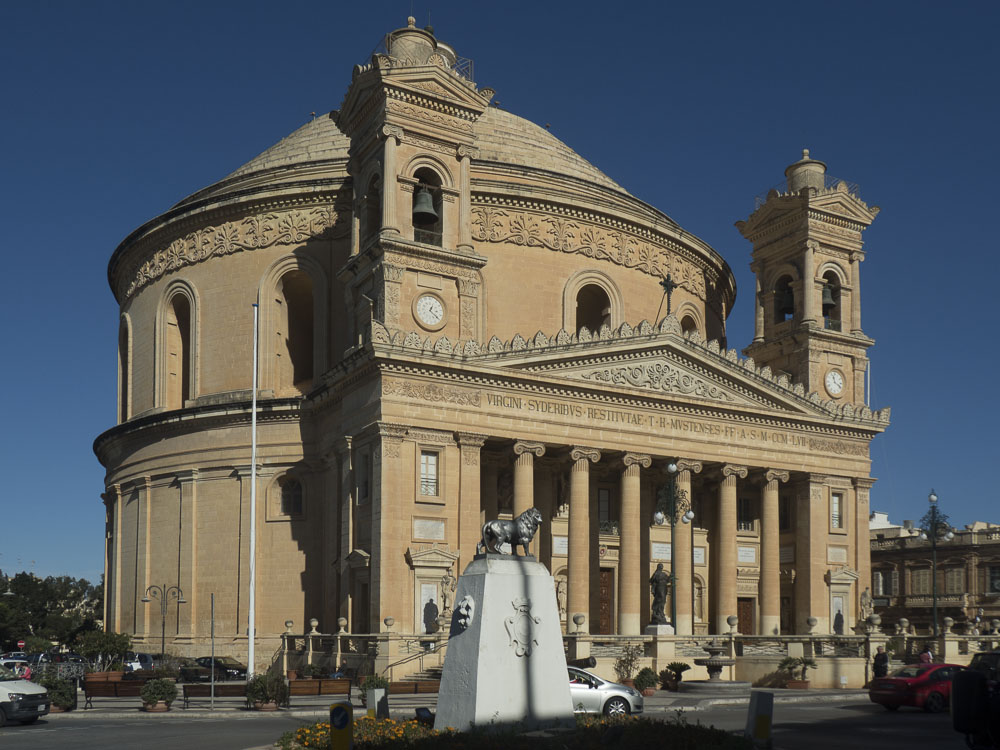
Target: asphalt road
<point>809,726</point>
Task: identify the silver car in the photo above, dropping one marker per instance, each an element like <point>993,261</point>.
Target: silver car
<point>592,695</point>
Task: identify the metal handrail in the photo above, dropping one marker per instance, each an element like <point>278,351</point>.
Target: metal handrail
<point>438,650</point>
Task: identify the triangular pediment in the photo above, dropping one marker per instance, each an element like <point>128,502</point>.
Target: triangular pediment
<point>430,557</point>
<point>843,204</point>
<point>436,83</point>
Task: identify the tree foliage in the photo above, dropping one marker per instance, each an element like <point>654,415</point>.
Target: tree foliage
<point>55,609</point>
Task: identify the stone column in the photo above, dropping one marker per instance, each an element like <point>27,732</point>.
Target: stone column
<point>469,528</point>
<point>758,321</point>
<point>187,573</point>
<point>390,221</point>
<point>346,530</point>
<point>684,540</point>
<point>809,284</point>
<point>862,540</point>
<point>578,597</point>
<point>770,574</point>
<point>812,523</point>
<point>545,502</point>
<point>524,474</point>
<point>630,580</point>
<point>113,579</point>
<point>465,154</point>
<point>856,295</point>
<point>724,576</point>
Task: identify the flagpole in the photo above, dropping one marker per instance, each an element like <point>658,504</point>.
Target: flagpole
<point>251,625</point>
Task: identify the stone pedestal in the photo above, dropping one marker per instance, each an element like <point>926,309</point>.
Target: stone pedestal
<point>505,665</point>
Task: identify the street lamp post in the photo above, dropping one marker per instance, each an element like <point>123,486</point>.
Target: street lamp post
<point>163,594</point>
<point>672,505</point>
<point>934,527</point>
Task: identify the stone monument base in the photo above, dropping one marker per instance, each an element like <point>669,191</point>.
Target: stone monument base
<point>659,630</point>
<point>505,665</point>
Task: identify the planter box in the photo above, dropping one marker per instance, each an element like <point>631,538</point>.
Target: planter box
<point>797,684</point>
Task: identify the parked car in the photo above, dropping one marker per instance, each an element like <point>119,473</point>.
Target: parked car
<point>135,662</point>
<point>592,695</point>
<point>926,686</point>
<point>987,663</point>
<point>226,667</point>
<point>191,671</point>
<point>21,700</point>
<point>15,655</point>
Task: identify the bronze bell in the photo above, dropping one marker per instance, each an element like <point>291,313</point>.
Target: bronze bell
<point>423,207</point>
<point>786,301</point>
<point>828,301</point>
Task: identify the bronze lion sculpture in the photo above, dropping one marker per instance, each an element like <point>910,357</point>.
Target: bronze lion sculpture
<point>520,531</point>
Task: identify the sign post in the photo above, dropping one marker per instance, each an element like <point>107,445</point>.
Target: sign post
<point>20,645</point>
<point>341,726</point>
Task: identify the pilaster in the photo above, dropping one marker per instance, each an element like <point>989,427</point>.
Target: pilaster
<point>469,529</point>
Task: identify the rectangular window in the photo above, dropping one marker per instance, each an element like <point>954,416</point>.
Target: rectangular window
<point>604,505</point>
<point>920,581</point>
<point>429,473</point>
<point>836,510</point>
<point>894,589</point>
<point>994,579</point>
<point>744,514</point>
<point>954,580</point>
<point>878,583</point>
<point>784,514</point>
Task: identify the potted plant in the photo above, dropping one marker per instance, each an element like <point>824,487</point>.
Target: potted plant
<point>265,692</point>
<point>372,682</point>
<point>158,694</point>
<point>792,663</point>
<point>62,693</point>
<point>645,681</point>
<point>627,663</point>
<point>670,678</point>
<point>314,671</point>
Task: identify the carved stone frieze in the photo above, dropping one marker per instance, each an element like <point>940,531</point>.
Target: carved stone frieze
<point>429,145</point>
<point>255,232</point>
<point>427,113</point>
<point>493,224</point>
<point>434,393</point>
<point>838,447</point>
<point>661,376</point>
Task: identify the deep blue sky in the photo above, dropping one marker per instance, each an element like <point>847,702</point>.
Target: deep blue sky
<point>114,111</point>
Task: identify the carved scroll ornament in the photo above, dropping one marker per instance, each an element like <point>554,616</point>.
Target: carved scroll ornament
<point>661,376</point>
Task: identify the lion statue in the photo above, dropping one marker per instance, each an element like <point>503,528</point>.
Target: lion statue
<point>520,531</point>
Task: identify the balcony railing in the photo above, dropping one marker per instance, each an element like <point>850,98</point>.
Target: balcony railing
<point>610,527</point>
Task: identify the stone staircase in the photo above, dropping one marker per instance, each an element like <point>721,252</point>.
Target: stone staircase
<point>429,674</point>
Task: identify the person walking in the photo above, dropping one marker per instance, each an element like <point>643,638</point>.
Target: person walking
<point>926,657</point>
<point>881,665</point>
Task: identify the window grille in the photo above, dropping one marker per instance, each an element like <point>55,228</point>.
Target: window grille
<point>429,473</point>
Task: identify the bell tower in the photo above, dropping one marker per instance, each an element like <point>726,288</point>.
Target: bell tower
<point>807,253</point>
<point>410,115</point>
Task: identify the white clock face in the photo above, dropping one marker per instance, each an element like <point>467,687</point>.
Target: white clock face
<point>430,311</point>
<point>835,382</point>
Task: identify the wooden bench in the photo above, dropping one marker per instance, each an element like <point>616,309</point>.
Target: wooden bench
<point>414,687</point>
<point>110,689</point>
<point>319,687</point>
<point>222,690</point>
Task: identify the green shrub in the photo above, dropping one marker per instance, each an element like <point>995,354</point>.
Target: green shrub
<point>792,663</point>
<point>62,693</point>
<point>267,688</point>
<point>315,670</point>
<point>372,682</point>
<point>674,672</point>
<point>159,690</point>
<point>628,661</point>
<point>645,679</point>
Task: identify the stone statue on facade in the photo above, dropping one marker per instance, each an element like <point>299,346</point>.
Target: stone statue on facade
<point>867,605</point>
<point>448,582</point>
<point>659,585</point>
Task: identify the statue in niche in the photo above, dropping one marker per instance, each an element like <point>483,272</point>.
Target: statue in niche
<point>659,585</point>
<point>561,596</point>
<point>448,583</point>
<point>867,605</point>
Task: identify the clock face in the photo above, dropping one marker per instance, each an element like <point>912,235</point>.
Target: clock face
<point>429,310</point>
<point>835,382</point>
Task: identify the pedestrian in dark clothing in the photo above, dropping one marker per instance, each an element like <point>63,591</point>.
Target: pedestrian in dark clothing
<point>881,662</point>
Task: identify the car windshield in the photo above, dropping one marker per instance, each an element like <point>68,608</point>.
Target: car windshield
<point>909,672</point>
<point>6,674</point>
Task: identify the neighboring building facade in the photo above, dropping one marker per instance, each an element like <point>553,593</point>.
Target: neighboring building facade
<point>453,327</point>
<point>968,576</point>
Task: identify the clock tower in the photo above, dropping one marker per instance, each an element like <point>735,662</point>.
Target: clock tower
<point>807,253</point>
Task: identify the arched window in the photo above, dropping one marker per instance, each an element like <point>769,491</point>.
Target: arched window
<point>294,331</point>
<point>291,496</point>
<point>784,300</point>
<point>831,301</point>
<point>427,209</point>
<point>371,211</point>
<point>593,308</point>
<point>124,369</point>
<point>688,324</point>
<point>177,351</point>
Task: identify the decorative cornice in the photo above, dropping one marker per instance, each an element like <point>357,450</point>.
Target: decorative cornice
<point>428,392</point>
<point>531,229</point>
<point>661,376</point>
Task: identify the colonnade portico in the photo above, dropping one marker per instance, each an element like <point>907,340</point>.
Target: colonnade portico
<point>637,471</point>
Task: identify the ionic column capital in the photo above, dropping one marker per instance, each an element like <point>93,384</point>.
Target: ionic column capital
<point>591,454</point>
<point>734,470</point>
<point>772,475</point>
<point>393,131</point>
<point>688,464</point>
<point>642,459</point>
<point>524,446</point>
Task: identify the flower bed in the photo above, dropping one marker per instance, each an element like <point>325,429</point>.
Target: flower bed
<point>591,733</point>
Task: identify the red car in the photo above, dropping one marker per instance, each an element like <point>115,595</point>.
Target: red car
<point>926,686</point>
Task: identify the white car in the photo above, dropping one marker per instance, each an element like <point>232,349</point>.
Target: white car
<point>592,695</point>
<point>21,700</point>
